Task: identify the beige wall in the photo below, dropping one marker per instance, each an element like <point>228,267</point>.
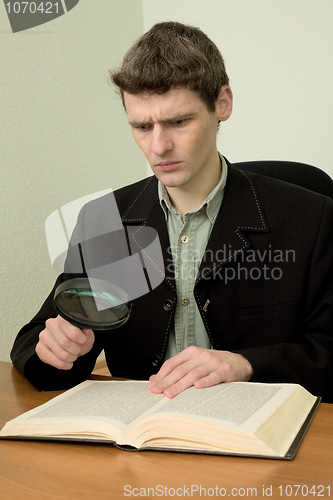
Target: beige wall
<point>279,58</point>
<point>63,135</point>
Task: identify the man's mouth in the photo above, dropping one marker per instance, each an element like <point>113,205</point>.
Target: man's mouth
<point>167,166</point>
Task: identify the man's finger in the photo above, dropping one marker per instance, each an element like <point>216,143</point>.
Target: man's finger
<point>172,363</point>
<point>48,357</point>
<point>58,342</point>
<point>72,332</point>
<point>184,383</point>
<point>180,378</point>
<point>213,378</point>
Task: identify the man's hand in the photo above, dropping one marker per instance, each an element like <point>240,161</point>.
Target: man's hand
<point>201,368</point>
<point>61,343</point>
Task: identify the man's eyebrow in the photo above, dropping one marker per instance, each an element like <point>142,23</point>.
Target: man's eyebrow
<point>136,124</point>
<point>176,118</point>
<point>169,119</point>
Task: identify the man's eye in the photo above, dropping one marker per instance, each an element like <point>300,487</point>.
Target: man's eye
<point>179,122</point>
<point>143,128</point>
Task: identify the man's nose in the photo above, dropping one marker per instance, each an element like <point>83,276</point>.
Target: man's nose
<point>161,142</point>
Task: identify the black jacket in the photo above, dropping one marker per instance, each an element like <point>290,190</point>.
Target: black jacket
<point>265,289</point>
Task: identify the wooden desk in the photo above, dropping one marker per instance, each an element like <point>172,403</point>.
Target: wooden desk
<point>60,471</point>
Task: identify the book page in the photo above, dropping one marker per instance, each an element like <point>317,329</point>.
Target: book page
<point>119,400</point>
<point>237,404</point>
<point>109,401</point>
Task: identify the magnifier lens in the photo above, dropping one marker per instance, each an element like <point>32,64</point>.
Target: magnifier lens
<point>92,303</point>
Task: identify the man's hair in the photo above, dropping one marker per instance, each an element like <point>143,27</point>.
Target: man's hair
<point>172,55</point>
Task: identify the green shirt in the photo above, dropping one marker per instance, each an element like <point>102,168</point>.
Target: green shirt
<point>188,241</point>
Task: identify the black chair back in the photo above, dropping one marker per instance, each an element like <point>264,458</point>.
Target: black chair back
<point>301,174</point>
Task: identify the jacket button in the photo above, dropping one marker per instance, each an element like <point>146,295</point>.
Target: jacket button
<point>156,360</point>
<point>168,305</point>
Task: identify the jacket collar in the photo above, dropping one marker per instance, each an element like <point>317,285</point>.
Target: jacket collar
<point>241,212</point>
<point>146,210</point>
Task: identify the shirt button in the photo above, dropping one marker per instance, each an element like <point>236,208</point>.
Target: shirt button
<point>185,239</point>
<point>185,301</point>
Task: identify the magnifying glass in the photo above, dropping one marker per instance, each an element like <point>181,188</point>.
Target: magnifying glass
<point>92,303</point>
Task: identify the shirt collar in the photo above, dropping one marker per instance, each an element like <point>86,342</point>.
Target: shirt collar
<point>212,203</point>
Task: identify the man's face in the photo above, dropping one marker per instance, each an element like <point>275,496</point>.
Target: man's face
<point>177,134</point>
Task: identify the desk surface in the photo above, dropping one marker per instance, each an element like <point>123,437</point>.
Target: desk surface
<point>41,470</point>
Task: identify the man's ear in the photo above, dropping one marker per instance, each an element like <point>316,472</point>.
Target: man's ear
<point>223,107</point>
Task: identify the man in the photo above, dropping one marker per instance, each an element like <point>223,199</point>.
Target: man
<point>249,292</point>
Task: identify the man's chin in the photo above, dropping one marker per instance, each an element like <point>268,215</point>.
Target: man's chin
<point>171,185</point>
<point>169,180</point>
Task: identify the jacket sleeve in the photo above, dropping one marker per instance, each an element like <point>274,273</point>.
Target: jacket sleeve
<point>308,358</point>
<point>41,375</point>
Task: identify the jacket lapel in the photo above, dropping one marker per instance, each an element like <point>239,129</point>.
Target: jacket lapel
<point>241,212</point>
<point>147,211</point>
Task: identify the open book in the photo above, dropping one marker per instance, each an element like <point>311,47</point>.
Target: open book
<point>247,418</point>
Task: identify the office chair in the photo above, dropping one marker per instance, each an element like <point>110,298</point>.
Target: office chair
<point>301,174</point>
